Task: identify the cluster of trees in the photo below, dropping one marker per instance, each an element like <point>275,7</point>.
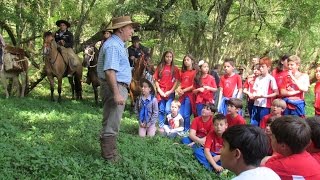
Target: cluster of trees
<point>208,29</point>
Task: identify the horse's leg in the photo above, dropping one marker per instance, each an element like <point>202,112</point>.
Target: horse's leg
<point>59,88</point>
<point>16,84</point>
<point>51,80</point>
<point>23,76</point>
<point>77,81</point>
<point>4,83</point>
<point>71,82</point>
<point>95,90</point>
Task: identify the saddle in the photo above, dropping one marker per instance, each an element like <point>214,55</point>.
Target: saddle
<point>12,57</point>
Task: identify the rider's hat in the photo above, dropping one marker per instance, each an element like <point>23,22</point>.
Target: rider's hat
<point>64,22</point>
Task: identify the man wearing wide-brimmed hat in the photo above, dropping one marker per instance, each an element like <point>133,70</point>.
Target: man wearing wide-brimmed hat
<point>136,50</point>
<point>114,73</point>
<point>64,39</point>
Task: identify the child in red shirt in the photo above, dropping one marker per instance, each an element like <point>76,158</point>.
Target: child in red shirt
<point>165,76</point>
<point>230,85</point>
<point>233,117</point>
<point>290,137</point>
<point>205,86</point>
<point>280,73</point>
<point>200,127</point>
<point>317,93</point>
<point>314,147</point>
<point>277,108</point>
<point>209,156</point>
<point>184,91</point>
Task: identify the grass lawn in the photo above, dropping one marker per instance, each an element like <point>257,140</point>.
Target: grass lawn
<point>46,140</point>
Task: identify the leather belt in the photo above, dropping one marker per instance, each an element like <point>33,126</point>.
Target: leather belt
<point>123,84</point>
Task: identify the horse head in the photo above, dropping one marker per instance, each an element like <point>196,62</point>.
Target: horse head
<point>47,42</point>
<point>89,54</point>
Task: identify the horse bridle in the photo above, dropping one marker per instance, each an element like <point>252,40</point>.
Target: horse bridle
<point>48,52</point>
<point>90,55</point>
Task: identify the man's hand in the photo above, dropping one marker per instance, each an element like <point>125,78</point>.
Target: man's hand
<point>119,99</point>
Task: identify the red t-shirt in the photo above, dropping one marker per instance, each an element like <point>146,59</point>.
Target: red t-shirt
<point>202,128</point>
<point>263,122</point>
<point>279,77</point>
<point>187,78</point>
<point>287,82</point>
<point>230,85</point>
<point>248,84</point>
<point>235,121</point>
<point>166,81</point>
<point>317,98</point>
<point>206,96</point>
<point>213,142</point>
<point>316,156</point>
<point>297,166</point>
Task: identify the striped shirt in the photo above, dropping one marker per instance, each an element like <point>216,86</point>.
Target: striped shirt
<point>114,55</point>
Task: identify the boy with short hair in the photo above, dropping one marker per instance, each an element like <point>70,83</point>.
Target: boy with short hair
<point>209,156</point>
<point>264,89</point>
<point>175,120</point>
<point>277,108</point>
<point>314,147</point>
<point>200,127</point>
<point>233,108</point>
<point>243,148</point>
<point>290,137</point>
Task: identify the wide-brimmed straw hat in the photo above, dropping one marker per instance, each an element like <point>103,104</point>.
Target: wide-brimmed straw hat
<point>144,80</point>
<point>64,22</point>
<point>122,21</point>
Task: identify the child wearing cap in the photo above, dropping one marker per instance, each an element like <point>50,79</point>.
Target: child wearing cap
<point>146,108</point>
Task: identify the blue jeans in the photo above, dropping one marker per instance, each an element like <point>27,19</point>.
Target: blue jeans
<point>257,114</point>
<point>201,157</point>
<point>164,109</point>
<point>187,140</point>
<point>185,111</point>
<point>199,108</point>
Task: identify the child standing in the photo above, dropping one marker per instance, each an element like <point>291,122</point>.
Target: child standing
<point>184,91</point>
<point>200,127</point>
<point>314,147</point>
<point>248,87</point>
<point>294,87</point>
<point>290,137</point>
<point>209,156</point>
<point>264,89</point>
<point>244,146</point>
<point>205,86</point>
<point>175,120</point>
<point>317,93</point>
<point>165,76</point>
<point>233,116</point>
<point>277,108</point>
<point>146,108</point>
<point>230,85</point>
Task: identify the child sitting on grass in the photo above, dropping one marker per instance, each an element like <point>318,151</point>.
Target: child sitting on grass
<point>175,120</point>
<point>290,137</point>
<point>277,108</point>
<point>233,116</point>
<point>200,127</point>
<point>209,156</point>
<point>314,147</point>
<point>243,148</point>
<point>146,107</point>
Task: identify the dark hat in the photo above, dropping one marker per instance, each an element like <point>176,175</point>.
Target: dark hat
<point>121,21</point>
<point>64,22</point>
<point>144,80</point>
<point>135,39</point>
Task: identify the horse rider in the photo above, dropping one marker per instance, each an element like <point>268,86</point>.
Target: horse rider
<point>64,39</point>
<point>2,45</point>
<point>136,50</point>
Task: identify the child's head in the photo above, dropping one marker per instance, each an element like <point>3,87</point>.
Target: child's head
<point>203,69</point>
<point>208,110</point>
<point>234,105</point>
<point>175,107</point>
<point>256,70</point>
<point>243,146</point>
<point>282,63</point>
<point>188,61</point>
<point>278,106</point>
<point>220,124</point>
<point>167,58</point>
<point>290,135</point>
<point>228,65</point>
<point>314,124</point>
<point>265,65</point>
<point>294,63</point>
<point>268,124</point>
<point>318,73</point>
<point>146,87</point>
<point>255,60</point>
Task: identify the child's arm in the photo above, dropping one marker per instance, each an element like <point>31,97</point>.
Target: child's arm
<point>155,111</point>
<point>220,97</point>
<point>302,83</point>
<point>212,160</point>
<point>239,93</point>
<point>196,139</point>
<point>159,89</point>
<point>167,94</point>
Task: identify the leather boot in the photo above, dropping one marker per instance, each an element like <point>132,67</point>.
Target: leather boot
<point>109,148</point>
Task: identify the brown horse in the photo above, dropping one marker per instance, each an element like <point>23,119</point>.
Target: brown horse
<point>137,74</point>
<point>90,60</point>
<point>55,66</point>
<point>20,68</point>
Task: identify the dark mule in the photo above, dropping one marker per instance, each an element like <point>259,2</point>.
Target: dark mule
<point>137,74</point>
<point>55,66</point>
<point>90,60</point>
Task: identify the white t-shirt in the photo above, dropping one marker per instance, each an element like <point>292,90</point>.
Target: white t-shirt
<point>259,173</point>
<point>261,87</point>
